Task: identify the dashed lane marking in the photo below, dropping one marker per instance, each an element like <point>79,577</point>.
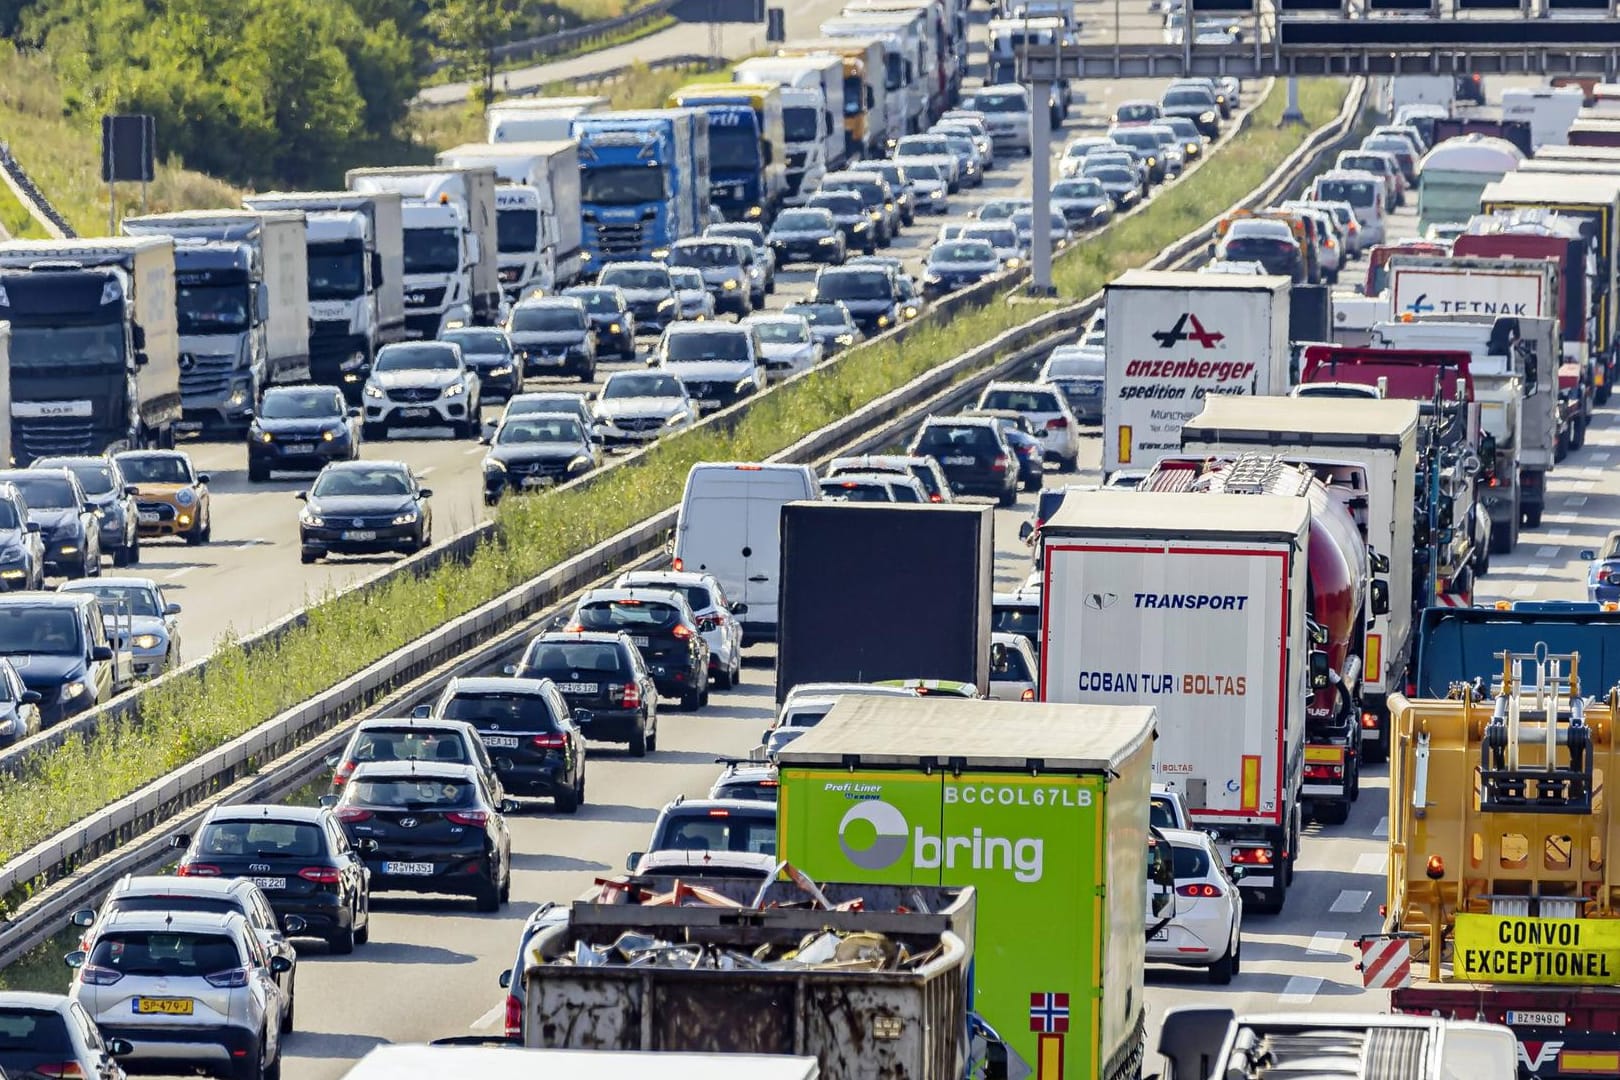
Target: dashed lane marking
<point>1574,500</point>
<point>1547,551</point>
<point>1372,864</point>
<point>1523,589</point>
<point>1300,990</point>
<point>488,1021</point>
<point>1325,943</point>
<point>1381,830</point>
<point>1350,902</point>
<point>1539,569</point>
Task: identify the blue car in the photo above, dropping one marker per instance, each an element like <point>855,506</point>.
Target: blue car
<point>1603,571</point>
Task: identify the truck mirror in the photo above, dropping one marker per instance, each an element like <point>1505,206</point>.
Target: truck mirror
<point>1380,598</point>
<point>1319,668</point>
<point>261,301</point>
<point>376,268</point>
<point>1587,555</point>
<point>1317,632</point>
<point>138,338</point>
<point>141,359</point>
<point>1026,530</point>
<point>1379,562</point>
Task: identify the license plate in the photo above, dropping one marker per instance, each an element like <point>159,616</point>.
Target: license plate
<point>359,534</point>
<point>1161,934</point>
<point>300,448</point>
<point>1536,1019</point>
<point>270,882</point>
<point>147,517</point>
<point>639,641</point>
<point>707,403</point>
<point>145,1006</point>
<point>579,687</point>
<point>501,742</point>
<point>415,868</point>
<point>956,461</point>
<point>537,481</point>
<point>412,414</point>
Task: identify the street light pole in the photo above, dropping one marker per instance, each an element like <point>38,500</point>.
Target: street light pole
<point>1040,153</point>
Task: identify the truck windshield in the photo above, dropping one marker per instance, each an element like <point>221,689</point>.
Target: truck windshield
<point>517,230</point>
<point>733,148</point>
<point>334,276</point>
<point>432,251</point>
<point>894,71</point>
<point>212,309</point>
<point>854,95</point>
<point>41,348</point>
<point>801,124</point>
<point>39,630</point>
<point>622,185</point>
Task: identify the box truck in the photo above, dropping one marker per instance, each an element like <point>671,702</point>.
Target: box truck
<point>540,118</point>
<point>1174,339</point>
<point>537,214</point>
<point>812,104</point>
<point>1193,603</point>
<point>864,101</point>
<point>846,616</point>
<point>1042,809</point>
<point>242,290</point>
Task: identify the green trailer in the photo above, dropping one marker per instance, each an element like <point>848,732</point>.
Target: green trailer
<point>1042,808</point>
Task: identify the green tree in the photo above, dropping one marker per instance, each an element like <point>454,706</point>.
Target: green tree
<point>470,30</point>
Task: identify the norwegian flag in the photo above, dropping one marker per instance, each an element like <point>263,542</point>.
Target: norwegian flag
<point>1049,1012</point>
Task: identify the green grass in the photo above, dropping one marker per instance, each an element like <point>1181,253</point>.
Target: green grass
<point>192,715</point>
<point>41,969</point>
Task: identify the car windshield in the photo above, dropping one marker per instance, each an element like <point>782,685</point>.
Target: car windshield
<point>155,469</point>
<point>360,482</point>
<point>687,278</point>
<point>261,837</point>
<point>43,491</point>
<point>996,211</point>
<point>783,331</point>
<point>1015,619</point>
<point>963,251</point>
<point>854,285</point>
<point>1140,139</point>
<point>561,660</point>
<point>479,342</point>
<point>1374,163</point>
<point>1189,97</point>
<point>1135,112</point>
<point>1076,367</point>
<point>715,256</point>
<point>96,478</point>
<point>1183,127</point>
<point>626,615</point>
<point>164,954</point>
<point>8,515</point>
<point>712,345</point>
<point>804,221</point>
<point>1024,401</point>
<point>924,170</point>
<point>633,385</point>
<point>636,277</point>
<point>535,429</point>
<point>1111,174</point>
<point>407,745</point>
<point>411,793</point>
<point>547,319</point>
<point>509,712</point>
<point>924,146</point>
<point>837,203</point>
<point>1000,236</point>
<point>1077,189</point>
<point>28,1035</point>
<point>417,358</point>
<point>299,404</point>
<point>1162,813</point>
<point>709,832</point>
<point>51,631</point>
<point>621,185</point>
<point>735,232</point>
<point>1000,101</point>
<point>596,300</point>
<point>820,314</point>
<point>139,600</point>
<point>947,437</point>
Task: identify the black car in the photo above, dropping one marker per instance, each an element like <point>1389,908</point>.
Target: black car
<point>850,214</point>
<point>488,351</point>
<point>877,198</point>
<point>553,336</point>
<point>807,234</point>
<point>1277,254</point>
<point>605,682</point>
<point>976,457</point>
<point>430,827</point>
<point>114,499</point>
<point>531,452</point>
<point>364,508</point>
<point>1196,104</point>
<point>831,324</point>
<point>66,519</point>
<point>662,626</point>
<point>22,551</point>
<point>301,427</point>
<point>297,855</point>
<point>58,644</point>
<point>871,294</point>
<point>611,318</point>
<point>899,183</point>
<point>528,730</point>
<point>1026,445</point>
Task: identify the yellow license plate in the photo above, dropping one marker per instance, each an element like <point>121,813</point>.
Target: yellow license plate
<point>163,1006</point>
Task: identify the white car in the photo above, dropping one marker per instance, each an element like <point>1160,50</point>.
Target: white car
<point>705,863</point>
<point>874,487</point>
<point>1014,671</point>
<point>1244,268</point>
<point>1167,809</point>
<point>925,469</point>
<point>806,704</point>
<point>1075,154</point>
<point>1203,926</point>
<point>1049,416</point>
<point>48,1035</point>
<point>786,344</point>
<point>1002,237</point>
<point>716,616</point>
<point>930,179</point>
<point>691,293</point>
<point>422,383</point>
<point>1017,613</point>
<point>638,406</point>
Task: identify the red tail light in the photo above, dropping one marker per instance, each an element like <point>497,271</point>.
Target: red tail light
<point>1200,891</point>
<point>632,697</point>
<point>197,870</point>
<point>719,813</point>
<point>351,814</point>
<point>935,498</point>
<point>1027,695</point>
<point>1058,424</point>
<point>677,563</point>
<point>1603,573</point>
<point>1369,721</point>
<point>682,631</point>
<point>1000,464</point>
<point>476,818</point>
<point>549,742</point>
<point>1324,772</point>
<point>1245,856</point>
<point>230,978</point>
<point>99,976</point>
<point>60,1070</point>
<point>342,774</point>
<point>573,628</point>
<point>321,875</point>
<point>514,1016</point>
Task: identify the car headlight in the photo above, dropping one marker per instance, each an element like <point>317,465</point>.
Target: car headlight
<point>185,496</point>
<point>666,303</point>
<point>331,434</point>
<point>1152,161</point>
<point>455,390</point>
<point>374,391</point>
<point>73,689</point>
<point>874,215</point>
<point>828,240</point>
<point>883,320</point>
<point>860,226</point>
<point>579,462</point>
<point>614,328</point>
<point>1014,263</point>
<point>146,641</point>
<point>931,279</point>
<point>310,518</point>
<point>845,339</point>
<point>1206,118</point>
<point>660,254</point>
<point>102,512</point>
<point>263,437</point>
<point>407,518</point>
<point>729,283</point>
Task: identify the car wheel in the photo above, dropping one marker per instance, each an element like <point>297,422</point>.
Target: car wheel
<point>589,374</point>
<point>120,556</point>
<point>134,550</point>
<point>308,557</point>
<point>287,1017</point>
<point>506,885</point>
<point>258,472</point>
<point>692,700</point>
<point>723,679</point>
<point>1007,498</point>
<point>638,738</point>
<point>363,935</point>
<point>567,802</point>
<point>488,898</point>
<point>342,941</point>
<point>652,744</point>
<point>252,1064</point>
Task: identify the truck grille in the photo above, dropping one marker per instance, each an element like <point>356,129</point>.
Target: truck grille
<point>425,297</point>
<point>414,394</point>
<point>205,375</point>
<point>796,159</point>
<point>164,511</point>
<point>328,328</point>
<point>55,436</point>
<point>619,239</point>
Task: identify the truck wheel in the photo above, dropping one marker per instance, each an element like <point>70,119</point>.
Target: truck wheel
<point>1578,435</point>
<point>1336,812</point>
<point>1502,536</point>
<point>1265,901</point>
<point>1532,517</point>
<point>1482,561</point>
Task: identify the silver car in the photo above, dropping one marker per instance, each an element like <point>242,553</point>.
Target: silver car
<point>786,343</point>
<point>51,1035</point>
<point>154,626</point>
<point>692,293</point>
<point>638,406</point>
<point>716,615</point>
<point>189,991</point>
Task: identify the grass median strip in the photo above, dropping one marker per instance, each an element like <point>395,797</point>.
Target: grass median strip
<point>196,713</point>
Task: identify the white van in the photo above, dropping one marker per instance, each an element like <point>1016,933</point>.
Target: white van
<point>730,525</point>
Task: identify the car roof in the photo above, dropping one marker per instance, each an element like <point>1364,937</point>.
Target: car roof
<point>705,328</point>
<point>961,421</point>
<point>613,595</point>
<point>571,302</point>
<point>637,264</point>
<point>87,584</point>
<point>196,921</point>
<point>433,770</point>
<point>181,454</point>
<point>738,860</point>
<point>549,395</point>
<point>704,805</point>
<point>496,684</point>
<point>1197,838</point>
<point>133,885</point>
<point>46,600</point>
<point>1023,387</point>
<point>594,637</point>
<point>412,723</point>
<point>674,577</point>
<point>32,999</point>
<point>830,690</point>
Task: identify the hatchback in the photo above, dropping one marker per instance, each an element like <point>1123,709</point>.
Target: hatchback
<point>553,336</point>
<point>830,323</point>
<point>807,235</point>
<point>850,215</point>
<point>413,739</point>
<point>151,618</point>
<point>171,497</point>
<point>696,302</point>
<point>488,351</point>
<point>114,499</point>
<point>716,615</point>
<point>527,730</point>
<point>1195,104</point>
<point>661,624</point>
<point>1079,372</point>
<point>1083,203</point>
<point>610,693</point>
<point>1027,448</point>
<point>712,825</point>
<point>956,264</point>
<point>297,855</point>
<point>1017,613</point>
<point>49,1035</point>
<point>977,459</point>
<point>1048,414</point>
<point>648,288</point>
<point>925,470</point>
<point>66,519</point>
<point>745,779</point>
<point>871,293</point>
<point>1014,671</point>
<point>611,318</point>
<point>786,344</point>
<point>721,263</point>
<point>1205,924</point>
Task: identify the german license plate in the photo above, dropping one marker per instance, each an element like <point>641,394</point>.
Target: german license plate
<point>501,742</point>
<point>145,1006</point>
<point>707,403</point>
<point>1161,934</point>
<point>956,461</point>
<point>639,640</point>
<point>300,448</point>
<point>413,414</point>
<point>417,869</point>
<point>148,517</point>
<point>1536,1019</point>
<point>537,481</point>
<point>579,687</point>
<point>359,534</point>
<point>273,883</point>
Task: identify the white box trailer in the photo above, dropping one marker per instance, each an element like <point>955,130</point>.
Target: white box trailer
<point>538,119</point>
<point>1379,437</point>
<point>551,169</point>
<point>1193,603</point>
<point>1175,338</point>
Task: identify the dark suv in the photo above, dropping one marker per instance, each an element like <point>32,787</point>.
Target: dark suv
<point>871,293</point>
<point>662,626</point>
<point>114,499</point>
<point>66,519</point>
<point>528,731</point>
<point>605,682</point>
<point>974,454</point>
<point>611,318</point>
<point>22,552</point>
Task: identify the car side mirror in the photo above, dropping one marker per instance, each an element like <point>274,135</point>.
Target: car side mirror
<point>301,496</point>
<point>1588,555</point>
<point>131,489</point>
<point>180,841</point>
<point>739,609</point>
<point>83,918</point>
<point>1026,530</point>
<point>506,979</point>
<point>119,1047</point>
<point>632,859</point>
<point>1319,668</point>
<point>32,697</point>
<point>294,924</point>
<point>510,806</point>
<point>248,414</point>
<point>280,965</point>
<point>202,478</point>
<point>101,653</point>
<point>32,526</point>
<point>354,414</point>
<point>426,493</point>
<point>327,801</point>
<point>75,959</point>
<point>333,760</point>
<point>171,608</point>
<point>88,508</point>
<point>1380,597</point>
<point>421,712</point>
<point>485,438</point>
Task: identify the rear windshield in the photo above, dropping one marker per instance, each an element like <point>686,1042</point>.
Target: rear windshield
<point>1015,620</point>
<point>509,712</point>
<point>553,658</point>
<point>1190,862</point>
<point>1020,401</point>
<point>408,746</point>
<point>1162,814</point>
<point>261,838</point>
<point>1354,192</point>
<point>411,793</point>
<point>855,491</point>
<point>1076,367</point>
<point>718,831</point>
<point>31,1032</point>
<point>208,905</point>
<point>627,615</point>
<point>944,437</point>
<point>165,954</point>
<point>759,790</point>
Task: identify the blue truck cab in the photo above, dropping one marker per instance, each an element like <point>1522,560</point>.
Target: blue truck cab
<point>1461,644</point>
<point>747,147</point>
<point>644,182</point>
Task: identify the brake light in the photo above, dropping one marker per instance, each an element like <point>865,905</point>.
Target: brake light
<point>514,1017</point>
<point>351,814</point>
<point>747,468</point>
<point>1058,424</point>
<point>60,1070</point>
<point>682,631</point>
<point>1200,891</point>
<point>228,979</point>
<point>678,563</point>
<point>321,875</point>
<point>476,818</point>
<point>99,976</point>
<point>574,628</point>
<point>1603,573</point>
<point>1324,772</point>
<point>1247,856</point>
<point>632,696</point>
<point>341,775</point>
<point>719,813</point>
<point>1027,695</point>
<point>549,742</point>
<point>197,870</point>
<point>1000,464</point>
<point>1369,721</point>
<point>935,498</point>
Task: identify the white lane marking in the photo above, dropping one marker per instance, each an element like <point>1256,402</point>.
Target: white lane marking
<point>1539,569</point>
<point>1372,863</point>
<point>1300,990</point>
<point>1381,830</point>
<point>177,571</point>
<point>1564,519</point>
<point>1574,500</point>
<point>1325,943</point>
<point>1523,589</point>
<point>1350,902</point>
<point>488,1021</point>
<point>1599,455</point>
<point>471,450</point>
<point>1547,551</point>
<point>1557,534</point>
<point>426,470</point>
<point>1583,485</point>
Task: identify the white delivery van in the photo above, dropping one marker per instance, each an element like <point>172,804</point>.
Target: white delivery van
<point>730,525</point>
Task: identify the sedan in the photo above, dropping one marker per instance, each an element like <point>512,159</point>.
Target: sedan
<point>1195,104</point>
<point>691,293</point>
<point>48,1035</point>
<point>957,264</point>
<point>553,336</point>
<point>610,316</point>
<point>930,180</point>
<point>831,324</point>
<point>754,234</point>
<point>638,406</point>
<point>527,728</point>
<point>610,693</point>
<point>429,827</point>
<point>716,615</point>
<point>1083,202</point>
<point>364,508</point>
<point>786,344</point>
<point>846,209</point>
<point>301,427</point>
<point>1603,571</point>
<point>807,234</point>
<point>114,499</point>
<point>1046,414</point>
<point>152,619</point>
<point>67,522</point>
<point>661,624</point>
<point>531,452</point>
<point>488,351</point>
<point>1204,924</point>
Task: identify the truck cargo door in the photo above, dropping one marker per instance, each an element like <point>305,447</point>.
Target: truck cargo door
<point>712,536</point>
<point>761,555</point>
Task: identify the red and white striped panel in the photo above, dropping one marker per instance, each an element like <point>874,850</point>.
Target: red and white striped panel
<point>1448,599</point>
<point>1386,962</point>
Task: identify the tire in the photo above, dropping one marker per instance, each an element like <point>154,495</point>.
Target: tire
<point>1482,561</point>
<point>488,898</point>
<point>638,742</point>
<point>287,1017</point>
<point>1007,498</point>
<point>1069,465</point>
<point>1578,439</point>
<point>252,1066</point>
<point>692,701</point>
<point>363,935</point>
<point>120,556</point>
<point>134,556</point>
<point>652,744</point>
<point>258,472</point>
<point>1266,901</point>
<point>308,558</point>
<point>1222,970</point>
<point>1532,517</point>
<point>369,432</point>
<point>567,802</point>
<point>723,679</point>
<point>506,886</point>
<point>342,941</point>
<point>1333,813</point>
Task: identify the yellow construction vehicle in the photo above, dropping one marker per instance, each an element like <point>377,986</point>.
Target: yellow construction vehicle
<point>1502,904</point>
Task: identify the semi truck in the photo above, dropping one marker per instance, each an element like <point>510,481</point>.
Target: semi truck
<point>846,616</point>
<point>242,295</point>
<point>937,29</point>
<point>864,96</point>
<point>907,100</point>
<point>644,182</point>
<point>1367,451</point>
<point>95,345</point>
<point>540,119</point>
<point>812,108</point>
<point>452,262</point>
<point>537,214</point>
<point>355,249</point>
<point>747,146</point>
<point>1178,337</point>
<point>1043,810</point>
<point>912,30</point>
<point>1195,604</point>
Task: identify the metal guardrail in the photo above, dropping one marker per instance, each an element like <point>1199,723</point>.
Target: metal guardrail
<point>567,41</point>
<point>33,200</point>
<point>72,867</point>
<point>685,62</point>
